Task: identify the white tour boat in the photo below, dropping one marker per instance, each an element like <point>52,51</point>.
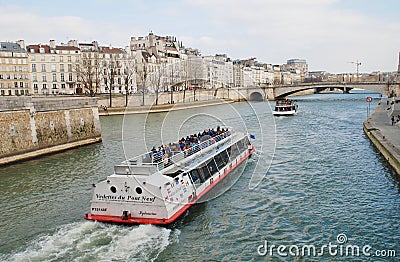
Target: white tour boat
<point>156,189</point>
<point>285,107</point>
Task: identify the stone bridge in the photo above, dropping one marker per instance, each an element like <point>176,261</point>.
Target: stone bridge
<point>275,92</point>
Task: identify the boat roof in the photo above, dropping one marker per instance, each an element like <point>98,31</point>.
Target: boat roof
<point>179,162</point>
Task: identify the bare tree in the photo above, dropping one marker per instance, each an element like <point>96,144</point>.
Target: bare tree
<point>111,69</point>
<point>157,80</point>
<point>88,72</point>
<point>129,74</point>
<point>142,73</point>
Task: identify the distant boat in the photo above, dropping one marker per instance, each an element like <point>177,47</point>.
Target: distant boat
<point>285,107</point>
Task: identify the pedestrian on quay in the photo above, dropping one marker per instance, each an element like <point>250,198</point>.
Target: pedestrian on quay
<point>392,120</point>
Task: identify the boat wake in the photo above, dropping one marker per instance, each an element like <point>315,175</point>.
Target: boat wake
<point>92,241</point>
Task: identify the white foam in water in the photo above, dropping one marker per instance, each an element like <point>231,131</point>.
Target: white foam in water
<point>88,241</point>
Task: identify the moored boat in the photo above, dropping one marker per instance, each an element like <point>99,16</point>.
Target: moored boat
<point>159,186</point>
<point>285,107</point>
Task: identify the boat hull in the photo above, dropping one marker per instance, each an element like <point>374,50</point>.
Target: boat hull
<point>284,113</point>
<point>216,179</point>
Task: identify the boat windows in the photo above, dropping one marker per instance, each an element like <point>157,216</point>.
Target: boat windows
<point>205,172</point>
<point>212,166</point>
<point>242,145</point>
<point>234,151</point>
<point>219,160</point>
<point>196,178</point>
<point>225,156</point>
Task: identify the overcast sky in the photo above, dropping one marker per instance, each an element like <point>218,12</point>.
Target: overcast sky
<point>329,34</point>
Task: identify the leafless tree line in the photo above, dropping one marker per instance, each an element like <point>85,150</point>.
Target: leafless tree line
<point>113,72</point>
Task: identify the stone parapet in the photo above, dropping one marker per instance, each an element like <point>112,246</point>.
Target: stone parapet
<point>33,126</point>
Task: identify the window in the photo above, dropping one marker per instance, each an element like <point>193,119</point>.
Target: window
<point>43,67</point>
<point>62,77</point>
<point>33,67</point>
<point>69,59</point>
<point>61,59</point>
<point>44,78</point>
<point>54,77</point>
<point>54,86</point>
<point>53,67</point>
<point>70,77</point>
<point>1,76</point>
<point>21,84</point>
<point>33,58</point>
<point>220,160</point>
<point>35,86</point>
<point>195,177</point>
<point>69,67</point>
<point>34,78</point>
<point>15,84</point>
<point>42,58</point>
<point>63,86</point>
<point>61,67</point>
<point>16,92</point>
<point>44,86</point>
<point>53,58</point>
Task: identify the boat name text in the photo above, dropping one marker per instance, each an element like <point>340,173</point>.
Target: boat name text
<point>141,199</point>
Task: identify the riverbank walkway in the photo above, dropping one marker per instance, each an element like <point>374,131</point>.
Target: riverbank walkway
<point>160,108</point>
<point>384,135</point>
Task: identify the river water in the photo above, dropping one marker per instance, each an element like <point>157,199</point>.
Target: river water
<point>327,184</point>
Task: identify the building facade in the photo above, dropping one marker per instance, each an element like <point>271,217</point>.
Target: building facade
<point>52,68</point>
<point>14,72</point>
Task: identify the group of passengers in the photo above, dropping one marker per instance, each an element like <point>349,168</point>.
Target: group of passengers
<point>190,145</point>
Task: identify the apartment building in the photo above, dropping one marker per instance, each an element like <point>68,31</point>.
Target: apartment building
<point>52,68</point>
<point>14,73</point>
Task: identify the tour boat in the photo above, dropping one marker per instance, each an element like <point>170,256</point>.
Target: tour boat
<point>157,189</point>
<point>285,107</point>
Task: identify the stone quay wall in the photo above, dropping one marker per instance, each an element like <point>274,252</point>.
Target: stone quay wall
<point>33,126</point>
<point>164,98</point>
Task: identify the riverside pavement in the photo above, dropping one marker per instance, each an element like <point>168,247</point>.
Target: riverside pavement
<point>384,135</point>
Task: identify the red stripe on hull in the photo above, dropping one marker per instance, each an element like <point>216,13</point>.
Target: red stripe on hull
<point>163,221</point>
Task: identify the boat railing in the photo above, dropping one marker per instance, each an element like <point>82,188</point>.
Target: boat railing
<point>169,158</point>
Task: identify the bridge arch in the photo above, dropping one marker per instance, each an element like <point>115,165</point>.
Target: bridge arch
<point>316,89</point>
<point>283,91</point>
<point>256,96</point>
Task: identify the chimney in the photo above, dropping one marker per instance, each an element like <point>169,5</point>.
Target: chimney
<point>95,44</point>
<point>52,44</point>
<point>21,43</point>
<point>73,43</point>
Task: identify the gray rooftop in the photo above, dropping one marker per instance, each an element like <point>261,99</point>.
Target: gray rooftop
<point>11,47</point>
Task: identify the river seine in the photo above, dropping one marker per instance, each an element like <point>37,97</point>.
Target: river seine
<point>327,194</point>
